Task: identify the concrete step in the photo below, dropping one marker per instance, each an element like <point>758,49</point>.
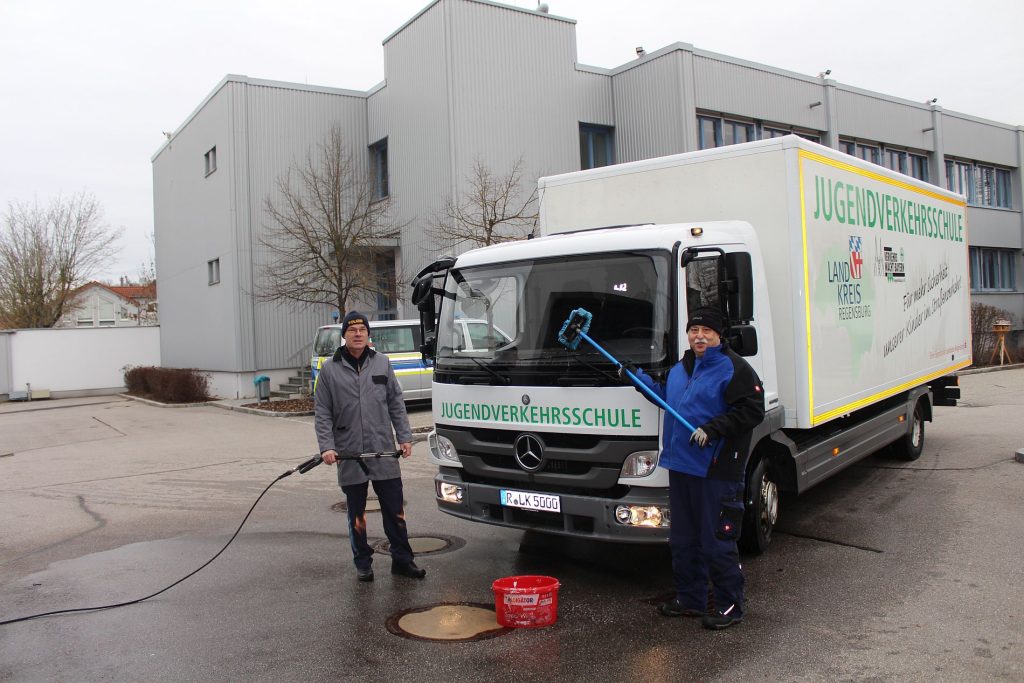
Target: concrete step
<point>286,394</point>
<point>294,388</point>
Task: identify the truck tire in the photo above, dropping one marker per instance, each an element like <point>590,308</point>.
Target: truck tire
<point>762,508</point>
<point>909,447</point>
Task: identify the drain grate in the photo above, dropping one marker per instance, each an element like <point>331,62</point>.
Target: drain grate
<point>450,622</point>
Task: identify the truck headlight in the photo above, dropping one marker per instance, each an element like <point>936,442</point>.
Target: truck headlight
<point>640,464</point>
<point>442,448</point>
<point>643,515</point>
<point>450,493</point>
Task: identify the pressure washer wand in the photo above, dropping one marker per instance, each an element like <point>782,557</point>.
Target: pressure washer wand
<point>575,328</point>
<point>358,457</point>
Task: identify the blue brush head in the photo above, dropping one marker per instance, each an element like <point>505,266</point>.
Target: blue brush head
<point>578,322</point>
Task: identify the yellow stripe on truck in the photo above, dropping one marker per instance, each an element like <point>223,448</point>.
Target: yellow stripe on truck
<point>850,407</point>
<point>860,403</point>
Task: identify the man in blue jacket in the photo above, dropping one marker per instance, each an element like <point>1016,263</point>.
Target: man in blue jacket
<point>716,390</point>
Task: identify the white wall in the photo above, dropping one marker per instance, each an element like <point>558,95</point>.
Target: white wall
<point>80,360</point>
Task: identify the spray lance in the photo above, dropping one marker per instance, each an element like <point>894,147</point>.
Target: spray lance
<point>575,329</point>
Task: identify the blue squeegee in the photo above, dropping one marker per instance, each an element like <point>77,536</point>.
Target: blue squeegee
<point>575,329</point>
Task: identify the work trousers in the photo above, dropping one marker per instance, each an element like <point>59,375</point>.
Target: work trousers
<point>706,519</point>
<point>389,494</point>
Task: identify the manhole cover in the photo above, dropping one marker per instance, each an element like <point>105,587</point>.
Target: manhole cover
<point>425,545</point>
<point>447,622</point>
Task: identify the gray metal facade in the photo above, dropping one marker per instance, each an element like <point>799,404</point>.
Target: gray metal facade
<point>471,79</point>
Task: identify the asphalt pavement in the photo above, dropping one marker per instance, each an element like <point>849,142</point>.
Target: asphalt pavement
<point>888,571</point>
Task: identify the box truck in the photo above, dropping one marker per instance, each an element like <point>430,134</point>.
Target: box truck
<point>846,288</point>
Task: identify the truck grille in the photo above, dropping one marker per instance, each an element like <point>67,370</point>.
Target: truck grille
<point>581,464</point>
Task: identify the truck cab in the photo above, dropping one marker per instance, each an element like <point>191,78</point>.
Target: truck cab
<point>531,435</point>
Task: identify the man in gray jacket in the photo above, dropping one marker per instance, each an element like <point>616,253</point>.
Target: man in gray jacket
<point>357,402</point>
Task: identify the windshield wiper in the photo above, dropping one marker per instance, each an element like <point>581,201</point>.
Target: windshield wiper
<point>580,359</point>
<point>501,378</point>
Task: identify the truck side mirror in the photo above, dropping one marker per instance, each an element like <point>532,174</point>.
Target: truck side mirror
<point>421,287</point>
<point>739,294</point>
<point>743,339</point>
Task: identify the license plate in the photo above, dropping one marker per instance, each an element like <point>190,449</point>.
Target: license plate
<point>531,501</point>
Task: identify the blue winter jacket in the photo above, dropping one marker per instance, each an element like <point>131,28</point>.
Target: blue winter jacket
<point>719,393</point>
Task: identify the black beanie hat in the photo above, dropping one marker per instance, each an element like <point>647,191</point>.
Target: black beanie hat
<point>708,317</point>
<point>354,317</point>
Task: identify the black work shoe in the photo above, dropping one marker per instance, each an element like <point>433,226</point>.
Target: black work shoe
<point>410,570</point>
<point>364,574</point>
<point>719,620</point>
<point>674,608</point>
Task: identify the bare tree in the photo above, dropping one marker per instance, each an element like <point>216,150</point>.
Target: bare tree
<point>326,233</point>
<point>491,210</point>
<point>46,252</point>
<point>147,270</point>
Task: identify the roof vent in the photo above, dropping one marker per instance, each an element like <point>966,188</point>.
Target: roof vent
<point>542,7</point>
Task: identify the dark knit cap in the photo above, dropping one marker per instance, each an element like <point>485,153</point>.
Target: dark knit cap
<point>708,317</point>
<point>354,317</point>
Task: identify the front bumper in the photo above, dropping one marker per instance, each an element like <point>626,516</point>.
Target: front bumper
<point>580,516</point>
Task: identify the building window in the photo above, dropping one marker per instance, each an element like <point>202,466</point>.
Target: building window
<point>735,132</point>
<point>709,131</point>
<point>719,132</point>
<point>379,169</point>
<point>210,160</point>
<point>919,167</point>
<point>808,136</point>
<point>106,313</point>
<point>213,272</point>
<point>1003,188</point>
<point>981,184</point>
<point>597,146</point>
<point>769,132</point>
<point>896,160</point>
<point>862,150</point>
<point>960,178</point>
<point>992,270</point>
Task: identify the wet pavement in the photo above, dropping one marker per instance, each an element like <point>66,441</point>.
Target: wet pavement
<point>887,571</point>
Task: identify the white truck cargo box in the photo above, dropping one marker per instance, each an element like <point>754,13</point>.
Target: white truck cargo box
<point>867,269</point>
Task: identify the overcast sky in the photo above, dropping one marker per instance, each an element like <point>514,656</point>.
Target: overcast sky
<point>88,87</point>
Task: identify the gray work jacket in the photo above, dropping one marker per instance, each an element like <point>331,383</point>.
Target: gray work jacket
<point>355,412</point>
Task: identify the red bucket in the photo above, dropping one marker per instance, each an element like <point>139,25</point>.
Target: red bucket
<point>526,601</point>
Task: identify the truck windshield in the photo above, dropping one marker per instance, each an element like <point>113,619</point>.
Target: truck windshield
<point>513,311</point>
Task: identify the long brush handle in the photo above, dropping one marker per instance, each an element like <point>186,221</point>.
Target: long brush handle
<point>640,385</point>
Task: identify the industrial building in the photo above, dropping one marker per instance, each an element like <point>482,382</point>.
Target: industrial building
<point>469,80</point>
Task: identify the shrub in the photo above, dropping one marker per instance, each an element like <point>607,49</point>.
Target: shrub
<point>135,380</point>
<point>170,385</point>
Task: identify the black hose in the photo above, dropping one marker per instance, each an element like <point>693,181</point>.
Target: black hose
<point>302,469</point>
<point>307,465</point>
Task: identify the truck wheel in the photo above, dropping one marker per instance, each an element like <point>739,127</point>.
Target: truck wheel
<point>762,510</point>
<point>910,446</point>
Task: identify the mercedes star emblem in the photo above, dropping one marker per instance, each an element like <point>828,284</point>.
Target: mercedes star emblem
<point>529,452</point>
